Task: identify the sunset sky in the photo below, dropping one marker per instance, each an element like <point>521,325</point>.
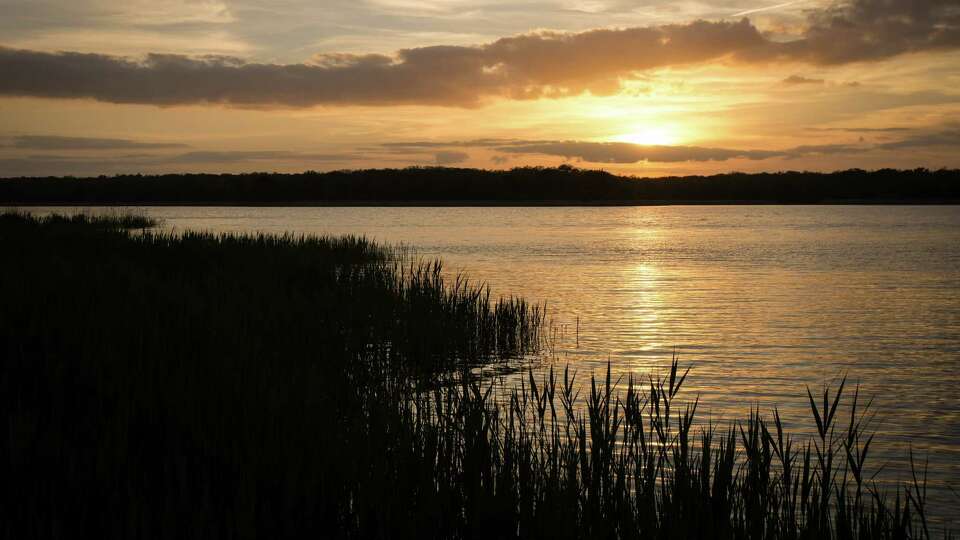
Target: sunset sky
<point>644,87</point>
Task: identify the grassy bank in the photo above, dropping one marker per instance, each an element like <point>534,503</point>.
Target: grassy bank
<point>198,386</point>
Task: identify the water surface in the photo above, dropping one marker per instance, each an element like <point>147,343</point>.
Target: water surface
<point>762,300</point>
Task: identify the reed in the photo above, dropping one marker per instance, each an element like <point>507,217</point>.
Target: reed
<point>223,386</point>
<point>116,220</point>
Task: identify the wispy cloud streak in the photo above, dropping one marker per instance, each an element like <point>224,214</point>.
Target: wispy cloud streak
<point>768,8</point>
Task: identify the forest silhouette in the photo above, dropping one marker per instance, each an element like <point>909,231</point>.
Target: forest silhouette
<point>461,186</point>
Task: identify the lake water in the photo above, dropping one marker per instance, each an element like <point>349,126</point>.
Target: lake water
<point>763,301</point>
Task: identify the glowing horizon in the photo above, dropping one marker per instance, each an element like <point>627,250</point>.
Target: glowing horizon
<point>240,85</point>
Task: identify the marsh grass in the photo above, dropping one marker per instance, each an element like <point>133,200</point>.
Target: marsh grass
<point>221,386</point>
<point>112,219</point>
<point>633,464</point>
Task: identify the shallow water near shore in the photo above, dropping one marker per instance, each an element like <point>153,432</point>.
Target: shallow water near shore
<point>763,301</point>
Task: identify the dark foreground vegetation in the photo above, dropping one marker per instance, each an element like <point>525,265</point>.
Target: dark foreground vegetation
<point>527,185</point>
<point>201,386</point>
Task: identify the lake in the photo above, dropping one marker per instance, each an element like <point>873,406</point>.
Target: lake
<point>763,301</point>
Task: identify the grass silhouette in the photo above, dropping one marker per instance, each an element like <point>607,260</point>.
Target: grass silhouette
<point>219,386</point>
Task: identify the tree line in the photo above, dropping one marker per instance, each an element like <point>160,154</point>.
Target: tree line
<point>522,185</point>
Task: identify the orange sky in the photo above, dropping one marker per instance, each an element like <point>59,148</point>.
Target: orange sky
<point>646,87</point>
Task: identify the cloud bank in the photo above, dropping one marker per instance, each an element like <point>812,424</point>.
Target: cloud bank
<point>85,162</point>
<point>945,137</point>
<point>88,159</point>
<point>621,152</point>
<point>529,66</point>
<point>948,138</point>
<point>617,152</point>
<point>49,142</point>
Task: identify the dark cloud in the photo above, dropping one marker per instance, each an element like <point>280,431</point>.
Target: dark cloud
<point>450,157</point>
<point>545,64</point>
<point>823,150</point>
<point>799,79</point>
<point>529,66</point>
<point>865,30</point>
<point>48,142</point>
<point>945,138</point>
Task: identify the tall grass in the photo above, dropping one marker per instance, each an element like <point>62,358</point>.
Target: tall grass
<point>201,386</point>
<point>632,465</point>
<point>114,220</point>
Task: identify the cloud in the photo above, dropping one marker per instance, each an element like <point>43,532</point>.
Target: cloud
<point>49,142</point>
<point>823,150</point>
<point>596,152</point>
<point>866,30</point>
<point>892,129</point>
<point>766,8</point>
<point>528,66</point>
<point>47,164</point>
<point>617,152</point>
<point>237,156</point>
<point>945,138</point>
<point>622,153</point>
<point>626,153</point>
<point>419,146</point>
<point>799,79</point>
<point>450,157</point>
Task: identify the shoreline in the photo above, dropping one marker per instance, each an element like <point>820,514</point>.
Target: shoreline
<point>492,203</point>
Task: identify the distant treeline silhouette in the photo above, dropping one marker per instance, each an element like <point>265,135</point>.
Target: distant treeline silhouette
<point>524,185</point>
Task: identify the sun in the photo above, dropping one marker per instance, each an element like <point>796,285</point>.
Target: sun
<point>650,136</point>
